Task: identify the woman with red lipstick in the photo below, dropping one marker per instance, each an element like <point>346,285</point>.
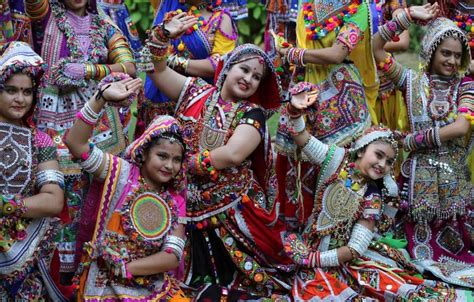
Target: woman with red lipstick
<point>139,236</point>
<point>437,192</point>
<point>235,248</point>
<point>81,47</point>
<point>338,259</point>
<point>31,186</point>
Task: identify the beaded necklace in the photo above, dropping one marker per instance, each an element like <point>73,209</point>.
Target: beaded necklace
<point>351,177</point>
<point>440,107</point>
<point>317,28</point>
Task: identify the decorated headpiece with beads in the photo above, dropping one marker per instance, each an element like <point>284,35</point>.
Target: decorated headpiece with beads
<point>269,93</point>
<point>438,30</point>
<point>164,126</point>
<point>18,57</point>
<point>379,134</point>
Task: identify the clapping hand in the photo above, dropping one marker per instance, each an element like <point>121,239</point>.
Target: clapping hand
<point>119,91</point>
<point>179,24</point>
<point>425,12</point>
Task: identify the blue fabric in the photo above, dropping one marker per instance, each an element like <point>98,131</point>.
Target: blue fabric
<point>194,44</point>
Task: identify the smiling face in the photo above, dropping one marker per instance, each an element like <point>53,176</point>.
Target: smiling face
<point>243,79</point>
<point>16,98</point>
<point>162,162</point>
<point>376,160</point>
<point>447,58</point>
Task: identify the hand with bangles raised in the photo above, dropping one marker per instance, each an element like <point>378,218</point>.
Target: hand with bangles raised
<point>176,24</point>
<point>118,91</point>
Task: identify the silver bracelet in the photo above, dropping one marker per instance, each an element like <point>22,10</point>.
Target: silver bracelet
<point>437,138</point>
<point>49,176</point>
<point>316,150</point>
<point>89,114</point>
<point>92,163</point>
<point>298,124</point>
<point>176,245</point>
<point>361,237</point>
<point>329,258</point>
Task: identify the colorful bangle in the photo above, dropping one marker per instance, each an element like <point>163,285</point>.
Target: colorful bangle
<point>387,64</point>
<point>201,164</point>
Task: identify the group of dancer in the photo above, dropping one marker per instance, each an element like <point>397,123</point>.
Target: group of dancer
<point>177,188</point>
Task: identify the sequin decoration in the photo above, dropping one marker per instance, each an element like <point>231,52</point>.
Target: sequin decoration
<point>151,216</point>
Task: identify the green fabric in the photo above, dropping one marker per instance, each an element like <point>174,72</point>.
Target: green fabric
<point>395,243</point>
<point>361,17</point>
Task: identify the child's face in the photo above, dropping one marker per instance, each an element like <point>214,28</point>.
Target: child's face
<point>376,160</point>
<point>162,162</point>
<point>447,58</point>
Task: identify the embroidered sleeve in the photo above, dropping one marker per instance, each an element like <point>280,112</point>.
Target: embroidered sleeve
<point>223,41</point>
<point>373,204</point>
<point>192,90</point>
<point>45,146</point>
<point>255,118</point>
<point>466,96</point>
<point>36,9</point>
<point>349,36</point>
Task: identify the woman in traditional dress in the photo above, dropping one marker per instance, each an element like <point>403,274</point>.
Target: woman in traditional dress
<point>437,192</point>
<point>462,14</point>
<point>138,236</point>
<point>81,47</point>
<point>30,181</point>
<point>196,52</point>
<point>234,231</point>
<point>353,188</point>
<point>333,39</point>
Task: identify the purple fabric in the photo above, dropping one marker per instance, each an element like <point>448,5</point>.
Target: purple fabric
<point>74,71</point>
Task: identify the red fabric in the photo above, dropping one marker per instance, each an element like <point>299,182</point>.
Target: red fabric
<point>267,94</point>
<point>66,290</point>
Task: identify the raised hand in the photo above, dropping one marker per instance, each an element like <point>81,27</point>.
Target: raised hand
<point>424,13</point>
<point>304,99</point>
<point>179,24</point>
<point>119,91</point>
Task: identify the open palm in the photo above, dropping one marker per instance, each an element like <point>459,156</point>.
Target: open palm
<point>119,91</point>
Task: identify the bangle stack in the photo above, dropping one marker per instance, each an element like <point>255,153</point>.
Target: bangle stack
<point>298,124</point>
<point>88,115</point>
<point>292,111</point>
<point>178,63</point>
<point>315,150</point>
<point>295,56</point>
<point>91,160</point>
<point>96,71</point>
<point>329,258</point>
<point>36,9</point>
<point>174,245</point>
<point>361,237</point>
<point>396,26</point>
<point>49,176</point>
<point>201,164</point>
<point>422,139</point>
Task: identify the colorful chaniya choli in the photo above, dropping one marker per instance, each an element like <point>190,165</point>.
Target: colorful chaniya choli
<point>133,222</point>
<point>26,248</point>
<point>345,93</point>
<point>234,233</point>
<point>438,192</point>
<point>382,272</point>
<point>62,37</point>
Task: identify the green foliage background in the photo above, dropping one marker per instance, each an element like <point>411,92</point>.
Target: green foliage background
<point>251,29</point>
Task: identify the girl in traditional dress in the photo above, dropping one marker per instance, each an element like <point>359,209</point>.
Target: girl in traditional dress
<point>138,236</point>
<point>81,47</point>
<point>353,188</point>
<point>234,231</point>
<point>333,39</point>
<point>30,182</point>
<point>437,193</point>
